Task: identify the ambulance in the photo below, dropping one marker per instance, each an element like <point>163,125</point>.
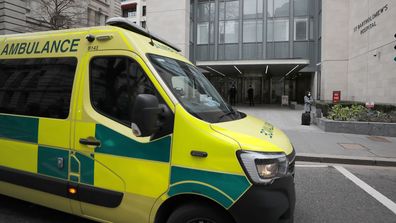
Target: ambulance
<point>112,124</point>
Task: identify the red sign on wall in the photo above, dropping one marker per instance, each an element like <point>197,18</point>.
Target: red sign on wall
<point>336,97</point>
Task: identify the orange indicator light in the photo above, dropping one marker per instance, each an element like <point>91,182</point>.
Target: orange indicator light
<point>72,190</point>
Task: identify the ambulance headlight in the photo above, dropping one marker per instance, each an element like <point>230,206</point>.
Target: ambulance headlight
<point>264,168</point>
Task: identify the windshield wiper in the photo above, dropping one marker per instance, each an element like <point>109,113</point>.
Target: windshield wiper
<point>231,112</point>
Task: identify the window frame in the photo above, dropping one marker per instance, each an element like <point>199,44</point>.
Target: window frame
<point>224,20</point>
<point>259,6</point>
<point>144,10</point>
<point>271,11</point>
<point>307,31</point>
<point>258,31</point>
<point>203,26</point>
<point>229,40</point>
<point>306,13</point>
<point>272,38</point>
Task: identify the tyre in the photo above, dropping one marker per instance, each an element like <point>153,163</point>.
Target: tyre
<point>198,213</point>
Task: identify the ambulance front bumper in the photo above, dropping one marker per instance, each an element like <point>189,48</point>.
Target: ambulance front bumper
<point>272,203</point>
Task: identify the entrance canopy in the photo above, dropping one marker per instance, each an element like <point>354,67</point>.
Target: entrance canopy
<point>282,68</point>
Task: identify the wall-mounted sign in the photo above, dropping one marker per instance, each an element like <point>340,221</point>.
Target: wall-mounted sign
<point>370,22</point>
<point>370,105</point>
<point>336,97</point>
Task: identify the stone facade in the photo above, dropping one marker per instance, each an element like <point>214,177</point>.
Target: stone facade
<point>18,16</point>
<point>358,50</point>
<point>162,16</point>
<point>12,16</point>
<point>100,10</point>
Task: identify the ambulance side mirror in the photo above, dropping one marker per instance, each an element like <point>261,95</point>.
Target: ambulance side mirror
<point>144,115</point>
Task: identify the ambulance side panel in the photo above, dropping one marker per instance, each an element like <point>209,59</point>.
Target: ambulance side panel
<point>36,108</point>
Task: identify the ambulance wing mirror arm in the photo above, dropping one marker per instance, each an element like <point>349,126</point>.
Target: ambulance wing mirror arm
<point>145,115</point>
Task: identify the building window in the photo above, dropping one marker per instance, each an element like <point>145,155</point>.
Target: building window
<point>231,10</point>
<point>206,10</point>
<point>249,31</point>
<point>320,25</point>
<point>300,29</point>
<point>191,30</point>
<point>281,30</point>
<point>131,14</point>
<point>281,8</point>
<point>270,8</point>
<point>252,31</point>
<point>211,33</point>
<point>228,31</point>
<point>205,26</point>
<point>229,23</point>
<point>144,11</point>
<point>129,10</point>
<point>192,13</point>
<point>278,30</point>
<point>203,10</point>
<point>270,30</point>
<point>203,33</point>
<point>278,8</point>
<point>252,8</point>
<point>260,8</point>
<point>97,18</point>
<point>143,24</point>
<point>301,7</point>
<point>89,17</point>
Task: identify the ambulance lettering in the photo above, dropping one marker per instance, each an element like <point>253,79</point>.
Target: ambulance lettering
<point>55,46</point>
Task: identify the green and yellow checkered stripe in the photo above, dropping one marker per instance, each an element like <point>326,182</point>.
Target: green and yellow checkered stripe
<point>34,145</point>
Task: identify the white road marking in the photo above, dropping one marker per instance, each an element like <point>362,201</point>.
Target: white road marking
<point>312,165</point>
<point>374,193</point>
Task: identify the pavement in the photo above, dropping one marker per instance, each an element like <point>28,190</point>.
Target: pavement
<point>315,145</point>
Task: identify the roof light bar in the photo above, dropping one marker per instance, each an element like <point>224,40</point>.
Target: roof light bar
<point>128,25</point>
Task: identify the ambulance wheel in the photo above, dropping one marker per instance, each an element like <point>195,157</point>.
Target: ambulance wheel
<point>196,213</point>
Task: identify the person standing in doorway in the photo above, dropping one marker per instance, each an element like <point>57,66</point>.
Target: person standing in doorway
<point>233,92</point>
<point>251,95</point>
<point>308,102</point>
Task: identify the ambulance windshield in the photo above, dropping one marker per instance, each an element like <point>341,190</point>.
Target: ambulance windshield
<point>193,90</point>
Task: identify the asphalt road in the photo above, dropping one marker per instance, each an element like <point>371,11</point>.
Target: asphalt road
<point>324,194</point>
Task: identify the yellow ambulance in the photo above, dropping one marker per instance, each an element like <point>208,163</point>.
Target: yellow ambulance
<point>113,124</point>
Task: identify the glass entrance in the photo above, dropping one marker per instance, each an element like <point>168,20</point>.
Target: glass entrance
<point>260,85</point>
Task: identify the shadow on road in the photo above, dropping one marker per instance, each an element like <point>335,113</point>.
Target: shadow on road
<point>17,211</point>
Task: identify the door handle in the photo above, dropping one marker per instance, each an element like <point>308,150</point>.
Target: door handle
<point>90,141</point>
<point>199,154</point>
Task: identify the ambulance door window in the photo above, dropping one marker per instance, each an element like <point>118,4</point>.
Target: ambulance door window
<point>115,83</point>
